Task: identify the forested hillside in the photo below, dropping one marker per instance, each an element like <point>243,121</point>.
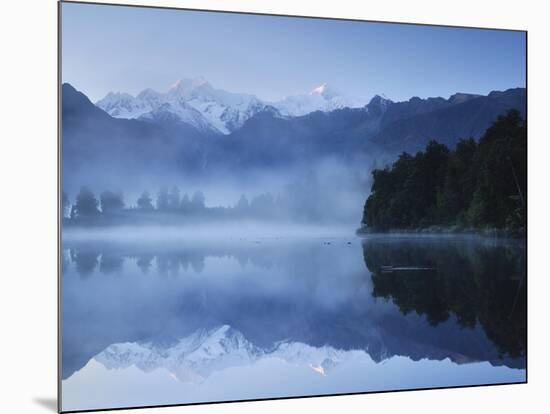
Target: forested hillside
<point>477,186</point>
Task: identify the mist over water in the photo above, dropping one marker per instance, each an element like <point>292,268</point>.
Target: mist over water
<point>198,232</point>
<point>319,193</point>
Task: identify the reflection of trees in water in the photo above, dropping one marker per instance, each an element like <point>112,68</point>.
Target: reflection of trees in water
<point>144,262</point>
<point>110,258</point>
<point>86,261</point>
<point>110,263</point>
<point>477,281</point>
<point>172,263</point>
<point>65,260</point>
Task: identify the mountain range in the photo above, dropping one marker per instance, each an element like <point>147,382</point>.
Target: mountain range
<point>198,103</point>
<point>196,128</point>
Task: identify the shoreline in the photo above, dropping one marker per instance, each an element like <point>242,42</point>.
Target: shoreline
<point>489,233</point>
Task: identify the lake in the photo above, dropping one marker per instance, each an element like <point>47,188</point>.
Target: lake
<point>153,321</point>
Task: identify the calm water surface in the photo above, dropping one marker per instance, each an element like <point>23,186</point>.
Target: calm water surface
<point>186,321</point>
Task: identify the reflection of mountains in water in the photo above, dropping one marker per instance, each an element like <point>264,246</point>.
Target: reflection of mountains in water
<point>194,358</point>
<point>222,365</point>
<point>460,313</point>
<point>197,356</point>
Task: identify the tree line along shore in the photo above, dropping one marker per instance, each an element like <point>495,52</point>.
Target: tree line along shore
<point>477,187</point>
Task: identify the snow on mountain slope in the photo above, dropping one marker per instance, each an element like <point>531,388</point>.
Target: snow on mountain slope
<point>226,111</point>
<point>197,356</point>
<point>198,103</point>
<point>124,105</point>
<point>193,101</point>
<point>183,112</point>
<point>322,98</point>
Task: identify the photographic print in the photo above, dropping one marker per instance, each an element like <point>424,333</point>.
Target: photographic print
<point>263,206</point>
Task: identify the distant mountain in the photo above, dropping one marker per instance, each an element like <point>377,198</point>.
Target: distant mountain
<point>389,126</point>
<point>181,131</point>
<point>409,126</point>
<point>197,103</point>
<point>382,128</point>
<point>193,101</point>
<point>94,144</point>
<point>323,98</point>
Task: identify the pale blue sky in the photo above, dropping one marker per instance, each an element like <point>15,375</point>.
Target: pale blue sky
<point>128,49</point>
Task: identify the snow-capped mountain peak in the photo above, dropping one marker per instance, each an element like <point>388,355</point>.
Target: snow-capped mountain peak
<point>186,84</point>
<point>322,98</point>
<point>325,91</point>
<point>193,100</point>
<point>148,94</point>
<point>192,87</point>
<point>123,105</point>
<point>196,102</point>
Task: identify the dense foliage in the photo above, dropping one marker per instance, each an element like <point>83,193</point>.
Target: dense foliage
<point>478,185</point>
